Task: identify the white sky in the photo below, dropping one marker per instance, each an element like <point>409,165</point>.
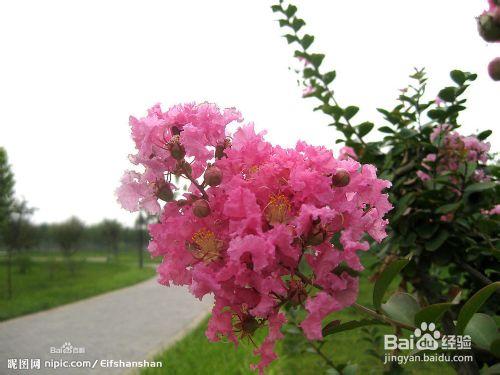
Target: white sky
<point>71,73</point>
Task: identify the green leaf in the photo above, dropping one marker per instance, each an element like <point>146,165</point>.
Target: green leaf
<point>401,307</point>
<point>474,304</point>
<point>447,208</point>
<point>386,129</point>
<point>448,94</point>
<point>482,329</point>
<point>335,327</point>
<point>435,243</point>
<point>432,313</point>
<point>484,134</point>
<point>329,77</point>
<point>306,41</point>
<point>276,8</point>
<point>316,59</point>
<point>297,24</point>
<point>385,279</point>
<point>350,112</point>
<point>458,77</point>
<point>365,128</point>
<point>480,186</point>
<point>290,11</point>
<point>290,38</point>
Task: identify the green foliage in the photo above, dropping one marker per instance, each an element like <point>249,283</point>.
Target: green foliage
<point>385,279</point>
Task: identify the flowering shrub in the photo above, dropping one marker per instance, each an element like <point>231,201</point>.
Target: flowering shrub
<point>253,215</point>
<point>444,189</point>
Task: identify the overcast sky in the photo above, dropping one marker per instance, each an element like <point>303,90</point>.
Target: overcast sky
<point>71,73</point>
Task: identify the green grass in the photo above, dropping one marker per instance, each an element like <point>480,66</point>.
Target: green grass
<point>49,284</point>
<point>195,355</point>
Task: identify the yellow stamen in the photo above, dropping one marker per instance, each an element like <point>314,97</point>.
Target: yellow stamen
<point>206,246</point>
<point>277,209</point>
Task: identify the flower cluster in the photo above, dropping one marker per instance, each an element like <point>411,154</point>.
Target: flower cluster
<point>454,150</point>
<point>253,213</point>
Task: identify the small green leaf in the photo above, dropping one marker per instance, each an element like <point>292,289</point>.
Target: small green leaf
<point>447,208</point>
<point>482,329</point>
<point>385,279</point>
<point>306,41</point>
<point>329,77</point>
<point>458,77</point>
<point>336,327</point>
<point>316,59</point>
<point>448,94</point>
<point>480,186</point>
<point>290,38</point>
<point>350,112</point>
<point>297,24</point>
<point>386,129</point>
<point>364,128</point>
<point>484,134</point>
<point>401,307</point>
<point>432,313</point>
<point>474,304</point>
<point>276,8</point>
<point>290,11</point>
<point>435,243</point>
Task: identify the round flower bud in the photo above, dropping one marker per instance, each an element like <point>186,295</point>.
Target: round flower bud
<point>488,28</point>
<point>176,148</point>
<point>341,178</point>
<point>201,208</point>
<point>164,192</point>
<point>494,69</point>
<point>213,176</point>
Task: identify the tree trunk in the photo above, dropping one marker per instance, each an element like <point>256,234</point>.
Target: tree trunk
<point>141,252</point>
<point>9,273</point>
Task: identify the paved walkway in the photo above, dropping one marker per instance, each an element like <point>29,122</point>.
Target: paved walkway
<point>130,324</point>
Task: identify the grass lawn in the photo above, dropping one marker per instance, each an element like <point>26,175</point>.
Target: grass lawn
<point>50,283</point>
<point>195,355</point>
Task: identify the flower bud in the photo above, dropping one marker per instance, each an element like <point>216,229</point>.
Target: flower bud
<point>164,192</point>
<point>297,293</point>
<point>488,28</point>
<point>201,208</point>
<point>213,176</point>
<point>494,69</point>
<point>341,178</point>
<point>176,148</point>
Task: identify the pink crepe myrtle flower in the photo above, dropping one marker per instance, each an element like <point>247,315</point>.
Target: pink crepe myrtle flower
<point>242,237</point>
<point>454,150</point>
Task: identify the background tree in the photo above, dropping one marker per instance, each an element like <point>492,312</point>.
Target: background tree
<point>110,232</point>
<point>67,235</point>
<point>6,190</point>
<point>18,235</point>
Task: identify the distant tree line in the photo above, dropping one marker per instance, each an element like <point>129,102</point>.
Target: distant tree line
<point>19,235</point>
